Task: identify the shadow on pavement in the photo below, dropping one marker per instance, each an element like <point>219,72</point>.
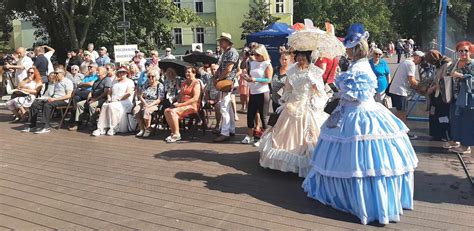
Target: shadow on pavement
<point>274,187</point>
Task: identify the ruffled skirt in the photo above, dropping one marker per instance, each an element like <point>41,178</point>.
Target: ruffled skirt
<point>289,145</point>
<point>364,166</point>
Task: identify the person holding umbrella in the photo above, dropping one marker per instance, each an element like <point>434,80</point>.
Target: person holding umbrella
<point>228,67</point>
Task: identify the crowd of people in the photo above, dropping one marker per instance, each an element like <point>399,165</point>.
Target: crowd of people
<point>330,122</point>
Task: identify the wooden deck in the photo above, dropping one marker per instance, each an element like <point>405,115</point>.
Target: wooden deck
<point>71,181</point>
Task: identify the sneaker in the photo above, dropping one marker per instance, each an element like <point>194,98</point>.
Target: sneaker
<point>173,139</point>
<point>111,132</point>
<point>461,150</point>
<point>449,145</point>
<point>247,140</point>
<point>221,138</point>
<point>140,133</point>
<point>73,128</point>
<point>28,129</point>
<point>412,136</point>
<point>256,144</point>
<point>147,132</point>
<point>236,118</point>
<point>98,132</point>
<point>43,130</point>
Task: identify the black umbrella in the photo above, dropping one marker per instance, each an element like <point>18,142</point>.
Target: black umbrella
<point>178,65</point>
<point>199,57</point>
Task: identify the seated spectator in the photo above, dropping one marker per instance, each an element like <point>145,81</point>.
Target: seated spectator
<point>75,76</point>
<point>103,57</point>
<point>84,88</point>
<point>150,98</point>
<point>113,114</point>
<point>86,62</point>
<point>172,86</point>
<point>187,104</point>
<point>110,67</point>
<point>25,95</point>
<point>61,94</point>
<point>95,99</point>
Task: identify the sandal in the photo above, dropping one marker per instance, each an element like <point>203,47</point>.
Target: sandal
<point>173,138</point>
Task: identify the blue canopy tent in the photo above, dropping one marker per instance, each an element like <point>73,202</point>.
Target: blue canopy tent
<point>273,36</point>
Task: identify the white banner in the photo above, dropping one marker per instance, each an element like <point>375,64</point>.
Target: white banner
<point>124,53</point>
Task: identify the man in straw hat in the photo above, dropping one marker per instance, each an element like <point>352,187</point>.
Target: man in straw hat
<point>228,65</point>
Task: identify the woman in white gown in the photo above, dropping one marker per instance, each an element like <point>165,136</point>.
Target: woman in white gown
<point>113,114</point>
<point>288,146</point>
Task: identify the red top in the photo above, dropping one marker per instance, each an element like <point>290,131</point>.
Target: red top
<point>331,66</point>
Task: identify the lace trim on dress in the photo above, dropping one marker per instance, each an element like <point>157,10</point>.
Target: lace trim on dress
<point>366,173</point>
<point>351,139</point>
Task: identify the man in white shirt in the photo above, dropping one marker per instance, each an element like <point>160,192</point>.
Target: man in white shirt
<point>168,54</point>
<point>24,63</point>
<point>94,54</point>
<point>48,56</point>
<point>403,80</point>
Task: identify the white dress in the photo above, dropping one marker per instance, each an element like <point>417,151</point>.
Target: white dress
<point>114,115</point>
<point>23,101</point>
<point>289,145</point>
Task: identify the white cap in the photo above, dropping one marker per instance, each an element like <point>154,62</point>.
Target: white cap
<point>103,48</point>
<point>418,53</point>
<point>168,49</point>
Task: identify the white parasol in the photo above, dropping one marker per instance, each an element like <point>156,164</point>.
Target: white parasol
<point>322,43</point>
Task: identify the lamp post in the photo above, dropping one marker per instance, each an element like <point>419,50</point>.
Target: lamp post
<point>124,29</point>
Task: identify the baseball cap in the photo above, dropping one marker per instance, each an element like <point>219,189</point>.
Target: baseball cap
<point>103,48</point>
<point>168,49</point>
<point>87,53</point>
<point>418,53</point>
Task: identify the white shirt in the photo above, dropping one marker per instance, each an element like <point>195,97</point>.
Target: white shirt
<point>48,56</point>
<point>400,84</point>
<point>257,70</point>
<point>94,55</point>
<point>170,56</point>
<point>21,74</point>
<point>119,89</point>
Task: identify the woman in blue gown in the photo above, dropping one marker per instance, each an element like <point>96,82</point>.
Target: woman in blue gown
<point>363,162</point>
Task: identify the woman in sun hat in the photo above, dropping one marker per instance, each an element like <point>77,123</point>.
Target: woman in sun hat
<point>363,162</point>
<point>289,144</point>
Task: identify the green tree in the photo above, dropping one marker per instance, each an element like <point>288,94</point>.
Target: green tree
<point>420,19</point>
<point>375,15</point>
<point>257,18</point>
<point>150,23</point>
<point>69,24</point>
<point>470,22</point>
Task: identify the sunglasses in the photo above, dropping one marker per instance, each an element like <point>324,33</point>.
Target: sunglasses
<point>378,54</point>
<point>151,76</point>
<point>463,51</point>
<point>31,72</point>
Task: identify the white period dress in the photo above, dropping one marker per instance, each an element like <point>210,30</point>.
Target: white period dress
<point>114,115</point>
<point>289,145</point>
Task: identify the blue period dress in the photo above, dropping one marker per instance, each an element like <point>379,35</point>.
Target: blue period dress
<point>363,162</point>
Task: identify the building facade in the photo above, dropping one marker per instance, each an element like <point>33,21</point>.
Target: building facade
<point>221,16</point>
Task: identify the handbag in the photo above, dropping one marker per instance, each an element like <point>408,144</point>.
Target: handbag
<point>224,85</point>
<point>331,105</point>
<point>272,120</point>
<point>387,101</point>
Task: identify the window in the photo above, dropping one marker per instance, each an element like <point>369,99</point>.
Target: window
<point>198,5</point>
<point>177,3</point>
<point>200,35</point>
<point>280,6</point>
<point>178,36</point>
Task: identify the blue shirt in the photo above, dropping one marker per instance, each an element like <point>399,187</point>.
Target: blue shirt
<point>142,81</point>
<point>90,78</point>
<point>102,60</point>
<point>381,70</point>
